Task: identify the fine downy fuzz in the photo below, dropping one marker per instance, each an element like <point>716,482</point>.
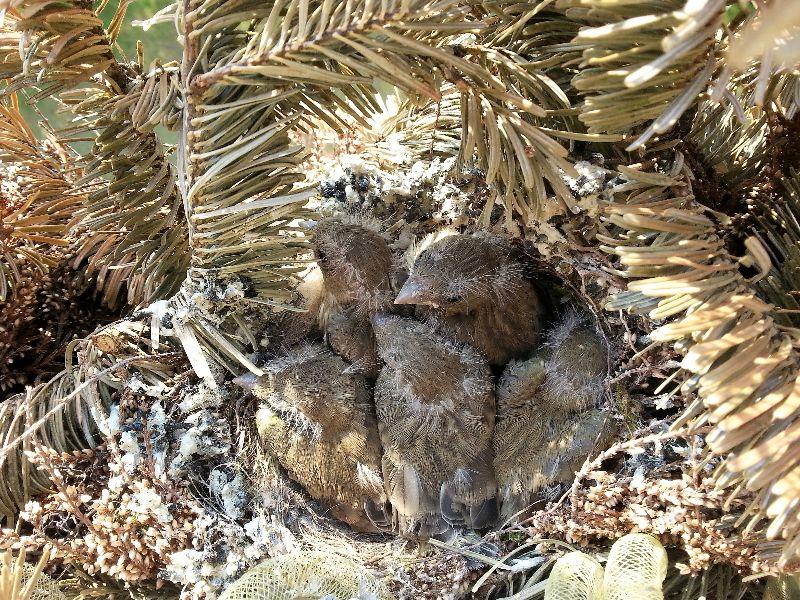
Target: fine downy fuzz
<point>318,422</point>
<point>357,267</point>
<point>473,288</point>
<point>435,407</point>
<point>548,420</point>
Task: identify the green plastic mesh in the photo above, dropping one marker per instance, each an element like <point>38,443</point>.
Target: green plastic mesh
<point>575,576</point>
<point>307,576</point>
<point>636,568</point>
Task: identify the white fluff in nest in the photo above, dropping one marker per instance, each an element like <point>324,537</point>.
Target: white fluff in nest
<point>229,491</point>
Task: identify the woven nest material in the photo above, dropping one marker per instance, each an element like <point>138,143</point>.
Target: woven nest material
<point>783,588</point>
<point>309,575</point>
<point>20,580</point>
<point>575,576</point>
<point>636,568</point>
<point>45,588</point>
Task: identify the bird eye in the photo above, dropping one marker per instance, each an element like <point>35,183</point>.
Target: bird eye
<point>320,255</point>
<point>452,299</point>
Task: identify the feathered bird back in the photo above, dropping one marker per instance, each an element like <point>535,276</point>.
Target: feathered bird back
<point>548,420</point>
<point>318,421</point>
<point>435,408</point>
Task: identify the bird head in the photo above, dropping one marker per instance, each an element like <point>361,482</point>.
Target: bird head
<point>309,385</point>
<point>415,354</point>
<point>458,273</point>
<point>576,347</point>
<point>326,237</point>
<point>356,262</point>
<point>282,389</point>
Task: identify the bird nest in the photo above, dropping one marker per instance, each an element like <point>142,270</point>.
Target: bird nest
<point>163,479</point>
<point>254,408</point>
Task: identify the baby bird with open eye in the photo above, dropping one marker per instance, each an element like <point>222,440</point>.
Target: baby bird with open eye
<point>474,289</point>
<point>319,424</point>
<point>435,407</point>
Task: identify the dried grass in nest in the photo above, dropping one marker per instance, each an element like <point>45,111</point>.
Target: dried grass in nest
<point>409,569</point>
<point>681,506</point>
<point>64,431</point>
<point>404,567</point>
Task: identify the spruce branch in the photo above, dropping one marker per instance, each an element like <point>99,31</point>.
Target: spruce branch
<point>126,229</point>
<point>36,204</point>
<point>741,365</point>
<point>52,45</point>
<point>131,227</point>
<point>643,63</point>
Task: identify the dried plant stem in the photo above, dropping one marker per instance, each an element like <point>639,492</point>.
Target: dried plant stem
<point>635,442</point>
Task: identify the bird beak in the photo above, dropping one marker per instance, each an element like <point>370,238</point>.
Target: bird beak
<point>414,292</point>
<point>247,381</point>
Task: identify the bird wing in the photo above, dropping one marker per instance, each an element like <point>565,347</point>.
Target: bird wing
<point>413,470</point>
<point>468,498</point>
<point>557,451</point>
<point>416,509</point>
<point>520,382</point>
<point>573,442</point>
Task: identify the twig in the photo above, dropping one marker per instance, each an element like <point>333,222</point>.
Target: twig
<point>475,555</point>
<point>635,442</point>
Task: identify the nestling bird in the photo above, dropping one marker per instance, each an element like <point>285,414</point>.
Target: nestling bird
<point>319,424</point>
<point>435,407</point>
<point>351,337</point>
<point>473,289</point>
<point>576,366</point>
<point>547,420</point>
<point>356,264</point>
<point>357,268</point>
